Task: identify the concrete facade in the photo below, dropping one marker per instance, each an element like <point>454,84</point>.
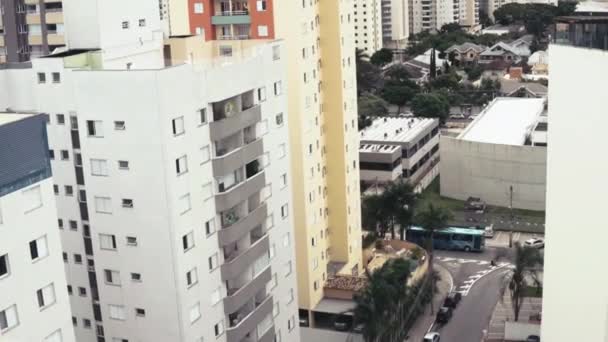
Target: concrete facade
<point>368,25</point>
<point>575,197</point>
<point>396,21</point>
<point>34,303</point>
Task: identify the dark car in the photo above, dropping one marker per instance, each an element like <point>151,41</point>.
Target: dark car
<point>444,314</point>
<point>452,300</point>
<point>342,323</point>
<point>533,338</point>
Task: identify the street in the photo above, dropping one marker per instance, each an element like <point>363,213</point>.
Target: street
<point>479,283</point>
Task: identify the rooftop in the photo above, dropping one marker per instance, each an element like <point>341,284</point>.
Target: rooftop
<point>506,121</point>
<point>379,148</point>
<point>6,118</point>
<point>395,129</point>
<point>464,47</point>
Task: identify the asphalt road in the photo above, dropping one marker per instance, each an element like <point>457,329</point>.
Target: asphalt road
<point>479,282</point>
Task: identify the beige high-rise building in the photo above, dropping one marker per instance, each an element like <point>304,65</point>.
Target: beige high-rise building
<point>368,25</point>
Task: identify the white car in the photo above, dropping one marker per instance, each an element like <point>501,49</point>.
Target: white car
<point>432,337</point>
<point>488,232</point>
<point>535,243</point>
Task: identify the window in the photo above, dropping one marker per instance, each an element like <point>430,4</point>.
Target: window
<point>198,7</point>
<point>32,198</point>
<point>216,296</point>
<point>95,128</point>
<point>38,248</point>
<point>69,190</point>
<point>123,164</point>
<point>140,312</point>
<point>284,210</point>
<point>125,25</point>
<point>272,251</point>
<point>74,321</point>
<point>288,268</point>
<point>205,154</point>
<point>60,221</point>
<point>188,241</point>
<point>225,50</point>
<point>65,155</point>
<point>290,296</point>
<point>86,323</point>
<point>103,205</point>
<point>65,257</point>
<point>9,318</point>
<point>207,191</point>
<point>279,119</point>
<point>99,167</point>
<point>283,180</point>
<point>107,241</point>
<point>77,258</point>
<point>60,119</point>
<point>51,154</point>
<point>117,312</point>
<point>4,269</point>
<point>195,313</point>
<point>262,94</point>
<point>119,125</point>
<point>282,150</point>
<point>73,225</point>
<point>112,277</point>
<point>41,77</point>
<point>181,165</point>
<point>54,337</point>
<point>131,241</point>
<point>46,296</point>
<point>70,290</point>
<point>56,77</point>
<point>286,240</point>
<point>202,116</point>
<point>261,5</point>
<point>263,31</point>
<point>213,262</point>
<point>82,196</point>
<point>191,277</point>
<point>142,22</point>
<point>127,203</point>
<point>210,227</point>
<point>178,125</point>
<point>82,291</point>
<point>218,328</point>
<point>136,277</point>
<point>275,309</point>
<point>278,88</point>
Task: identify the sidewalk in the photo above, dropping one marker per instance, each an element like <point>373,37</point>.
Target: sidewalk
<point>422,325</point>
<point>503,312</point>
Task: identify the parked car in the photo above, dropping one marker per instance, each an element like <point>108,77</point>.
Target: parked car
<point>458,116</point>
<point>533,338</point>
<point>358,329</point>
<point>444,314</point>
<point>342,323</point>
<point>489,231</point>
<point>452,300</point>
<point>475,204</point>
<point>535,243</point>
<point>432,337</point>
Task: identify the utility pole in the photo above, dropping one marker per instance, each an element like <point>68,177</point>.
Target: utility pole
<point>512,217</point>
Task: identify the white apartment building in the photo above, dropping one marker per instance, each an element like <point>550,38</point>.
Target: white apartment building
<point>396,23</point>
<point>368,25</point>
<point>576,186</point>
<point>34,304</point>
<point>173,191</point>
<point>426,15</point>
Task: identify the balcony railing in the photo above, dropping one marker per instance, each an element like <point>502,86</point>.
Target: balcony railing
<point>233,37</point>
<point>231,13</point>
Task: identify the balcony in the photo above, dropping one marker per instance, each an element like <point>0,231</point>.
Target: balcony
<point>237,297</point>
<point>237,157</point>
<point>267,336</point>
<point>582,31</point>
<point>245,189</point>
<point>239,265</point>
<point>252,317</point>
<point>224,126</point>
<point>242,226</point>
<point>231,18</point>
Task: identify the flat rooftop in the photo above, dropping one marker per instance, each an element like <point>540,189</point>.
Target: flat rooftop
<point>379,148</point>
<point>505,121</point>
<point>395,129</point>
<point>6,118</point>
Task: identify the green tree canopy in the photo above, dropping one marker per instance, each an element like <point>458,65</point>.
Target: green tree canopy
<point>398,95</point>
<point>382,57</point>
<point>370,106</point>
<point>368,75</point>
<point>431,105</point>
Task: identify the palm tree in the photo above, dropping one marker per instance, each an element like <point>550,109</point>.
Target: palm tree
<point>527,260</point>
<point>433,218</point>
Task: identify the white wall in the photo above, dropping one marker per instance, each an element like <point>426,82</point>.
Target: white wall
<point>368,25</point>
<point>575,291</point>
<point>17,229</point>
<point>488,170</point>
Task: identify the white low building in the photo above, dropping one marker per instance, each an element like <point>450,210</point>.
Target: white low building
<point>398,147</point>
<point>502,153</point>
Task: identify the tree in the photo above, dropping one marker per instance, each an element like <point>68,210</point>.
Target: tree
<point>382,57</point>
<point>368,75</point>
<point>473,72</point>
<point>432,219</point>
<point>433,65</point>
<point>371,105</point>
<point>450,81</point>
<point>400,199</point>
<point>431,105</point>
<point>527,261</point>
<point>374,214</point>
<point>484,19</point>
<point>450,27</point>
<point>398,75</point>
<point>398,95</point>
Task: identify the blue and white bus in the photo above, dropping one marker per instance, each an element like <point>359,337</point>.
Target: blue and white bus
<point>452,238</point>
